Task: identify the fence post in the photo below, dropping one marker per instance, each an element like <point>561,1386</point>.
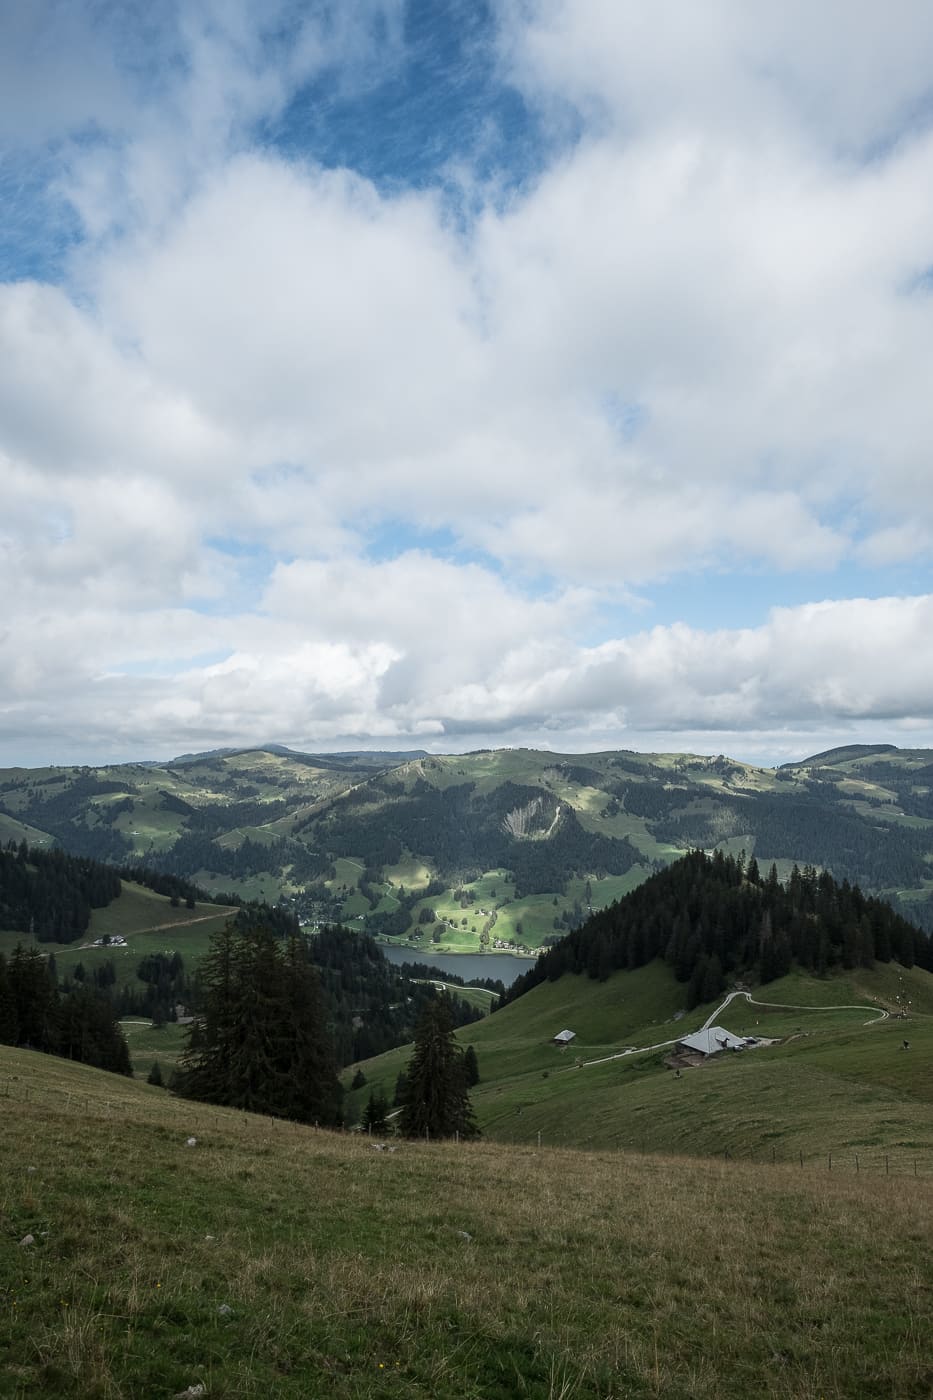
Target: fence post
<point>830,1161</point>
<point>801,1159</point>
<point>539,1137</point>
<point>887,1168</point>
<point>856,1164</point>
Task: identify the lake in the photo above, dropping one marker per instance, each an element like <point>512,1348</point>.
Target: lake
<point>504,966</point>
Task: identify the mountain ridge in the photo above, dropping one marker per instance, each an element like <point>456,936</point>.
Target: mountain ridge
<point>435,850</point>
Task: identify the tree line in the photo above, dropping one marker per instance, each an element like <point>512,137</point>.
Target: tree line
<point>78,1023</point>
<point>49,894</point>
<point>713,916</point>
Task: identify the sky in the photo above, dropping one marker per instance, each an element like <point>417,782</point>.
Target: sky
<point>450,374</point>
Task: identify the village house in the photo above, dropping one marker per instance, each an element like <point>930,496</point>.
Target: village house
<point>711,1040</point>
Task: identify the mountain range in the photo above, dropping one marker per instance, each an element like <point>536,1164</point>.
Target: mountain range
<point>496,849</point>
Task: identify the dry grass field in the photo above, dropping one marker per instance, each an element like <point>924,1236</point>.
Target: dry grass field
<point>271,1260</point>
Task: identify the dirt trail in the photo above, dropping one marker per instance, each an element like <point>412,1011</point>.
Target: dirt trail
<point>172,923</point>
<point>879,1015</point>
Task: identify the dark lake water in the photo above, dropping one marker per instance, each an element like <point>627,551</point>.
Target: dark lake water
<point>505,966</point>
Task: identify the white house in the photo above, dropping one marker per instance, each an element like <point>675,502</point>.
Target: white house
<point>564,1037</point>
<point>711,1040</point>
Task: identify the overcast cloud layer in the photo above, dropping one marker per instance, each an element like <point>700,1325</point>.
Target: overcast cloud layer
<point>374,377</point>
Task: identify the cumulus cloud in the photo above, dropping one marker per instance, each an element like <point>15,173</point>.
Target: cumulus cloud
<point>697,337</point>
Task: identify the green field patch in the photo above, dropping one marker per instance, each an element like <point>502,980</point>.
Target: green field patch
<point>604,891</point>
<point>263,886</point>
<point>233,840</point>
<point>348,873</point>
<point>13,830</point>
<point>745,1018</point>
<point>411,873</point>
<point>354,906</point>
<point>148,1043</point>
<point>147,921</point>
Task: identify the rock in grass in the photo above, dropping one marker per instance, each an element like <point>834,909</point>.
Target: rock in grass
<point>465,1235</point>
<point>194,1392</point>
<point>191,1142</point>
<point>27,1240</point>
<point>225,1310</point>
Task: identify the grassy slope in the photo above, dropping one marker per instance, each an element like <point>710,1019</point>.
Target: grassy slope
<point>584,1276</point>
<point>148,1043</point>
<point>148,922</point>
<point>836,1085</point>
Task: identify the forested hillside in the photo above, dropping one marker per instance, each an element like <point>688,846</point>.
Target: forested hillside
<point>487,851</point>
<point>78,1023</point>
<point>712,918</point>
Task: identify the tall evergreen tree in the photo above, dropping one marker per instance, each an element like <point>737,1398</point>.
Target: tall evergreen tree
<point>376,1112</point>
<point>9,1020</point>
<point>436,1101</point>
<point>471,1067</point>
<point>260,1043</point>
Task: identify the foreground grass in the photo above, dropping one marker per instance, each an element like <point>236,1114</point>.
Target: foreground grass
<point>438,1271</point>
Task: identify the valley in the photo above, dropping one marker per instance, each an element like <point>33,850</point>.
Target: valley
<point>495,851</point>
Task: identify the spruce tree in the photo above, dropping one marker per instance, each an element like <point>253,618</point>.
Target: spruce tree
<point>9,1020</point>
<point>155,1075</point>
<point>471,1067</point>
<point>375,1114</point>
<point>436,1101</point>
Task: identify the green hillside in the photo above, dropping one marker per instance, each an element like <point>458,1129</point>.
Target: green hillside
<point>838,1082</point>
<point>274,1260</point>
<point>147,921</point>
<point>496,850</point>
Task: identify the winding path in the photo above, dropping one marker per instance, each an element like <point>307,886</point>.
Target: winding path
<point>879,1015</point>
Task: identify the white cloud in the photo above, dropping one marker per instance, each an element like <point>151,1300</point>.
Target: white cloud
<point>700,338</point>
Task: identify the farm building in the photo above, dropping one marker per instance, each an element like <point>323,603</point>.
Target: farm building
<point>711,1040</point>
<point>564,1037</point>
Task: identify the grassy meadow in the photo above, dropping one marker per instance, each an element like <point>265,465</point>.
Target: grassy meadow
<point>839,1083</point>
<point>274,1260</point>
<point>150,924</point>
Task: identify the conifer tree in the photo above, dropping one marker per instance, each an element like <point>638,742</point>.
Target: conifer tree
<point>9,1020</point>
<point>436,1101</point>
<point>261,1042</point>
<point>375,1114</point>
<point>471,1067</point>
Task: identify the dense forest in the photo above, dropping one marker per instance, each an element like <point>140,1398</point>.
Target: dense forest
<point>713,917</point>
<point>50,895</point>
<point>373,1006</point>
<point>793,827</point>
<point>462,832</point>
<point>78,1023</point>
